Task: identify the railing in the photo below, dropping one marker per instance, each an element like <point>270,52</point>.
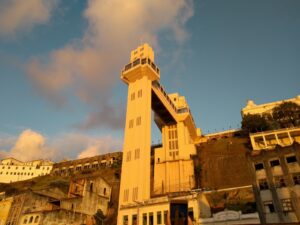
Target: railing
<point>157,85</point>
<point>160,88</point>
<point>141,62</point>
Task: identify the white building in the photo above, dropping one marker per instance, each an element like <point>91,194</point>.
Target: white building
<point>12,170</point>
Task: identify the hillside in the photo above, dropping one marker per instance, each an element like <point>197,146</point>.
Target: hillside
<point>222,163</point>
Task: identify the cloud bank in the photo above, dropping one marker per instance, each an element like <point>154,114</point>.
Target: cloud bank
<point>89,68</point>
<point>17,16</point>
<point>31,145</point>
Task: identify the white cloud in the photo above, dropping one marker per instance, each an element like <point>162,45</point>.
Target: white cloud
<point>31,145</point>
<point>89,68</point>
<point>18,15</point>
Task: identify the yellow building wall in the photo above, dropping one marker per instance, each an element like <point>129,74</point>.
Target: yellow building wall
<point>5,205</point>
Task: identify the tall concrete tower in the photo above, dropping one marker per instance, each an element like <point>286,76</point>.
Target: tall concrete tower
<point>138,75</point>
<point>145,186</point>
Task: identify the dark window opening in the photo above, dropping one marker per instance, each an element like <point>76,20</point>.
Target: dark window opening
<point>296,178</point>
<point>291,159</point>
<point>274,162</point>
<point>259,166</point>
<point>144,219</point>
<point>263,184</point>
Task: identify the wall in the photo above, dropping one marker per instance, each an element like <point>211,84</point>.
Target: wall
<point>5,205</point>
<point>13,170</point>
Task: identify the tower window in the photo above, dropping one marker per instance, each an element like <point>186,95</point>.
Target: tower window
<point>138,121</point>
<point>132,97</point>
<point>126,195</point>
<point>128,156</point>
<point>140,92</point>
<point>137,153</point>
<point>130,123</point>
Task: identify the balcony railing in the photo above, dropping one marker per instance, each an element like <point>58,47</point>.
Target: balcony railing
<point>141,62</point>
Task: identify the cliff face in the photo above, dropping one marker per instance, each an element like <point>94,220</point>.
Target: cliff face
<point>222,163</point>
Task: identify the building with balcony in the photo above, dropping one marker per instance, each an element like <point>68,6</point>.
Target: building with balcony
<point>276,183</point>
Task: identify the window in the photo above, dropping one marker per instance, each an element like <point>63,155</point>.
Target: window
<point>259,166</point>
<point>25,220</point>
<point>130,123</point>
<point>274,162</point>
<point>138,121</point>
<point>291,159</point>
<point>125,220</point>
<point>263,184</point>
<point>128,156</point>
<point>135,194</point>
<point>91,187</point>
<point>137,153</point>
<point>151,218</point>
<point>287,205</point>
<point>140,92</point>
<point>269,207</point>
<point>158,217</point>
<point>126,195</point>
<point>279,182</point>
<point>36,219</point>
<point>165,216</point>
<point>296,178</point>
<point>144,218</point>
<point>132,97</point>
<point>31,219</point>
<point>134,219</point>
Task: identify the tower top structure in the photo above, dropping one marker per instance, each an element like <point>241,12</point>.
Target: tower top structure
<point>141,64</point>
<point>143,51</point>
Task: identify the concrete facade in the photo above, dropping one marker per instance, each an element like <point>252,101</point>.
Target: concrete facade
<point>152,177</point>
<point>87,195</point>
<point>276,183</point>
<point>5,205</point>
<point>12,170</point>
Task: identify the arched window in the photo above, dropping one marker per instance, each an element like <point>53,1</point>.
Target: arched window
<point>31,219</point>
<point>25,220</point>
<point>36,219</point>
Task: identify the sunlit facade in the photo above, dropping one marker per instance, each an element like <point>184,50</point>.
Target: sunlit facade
<point>150,180</point>
<point>12,170</point>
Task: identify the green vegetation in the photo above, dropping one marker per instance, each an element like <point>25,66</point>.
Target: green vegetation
<point>284,115</point>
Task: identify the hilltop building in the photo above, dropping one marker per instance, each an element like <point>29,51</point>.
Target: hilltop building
<point>69,167</point>
<point>12,170</point>
<point>275,167</point>
<point>252,108</point>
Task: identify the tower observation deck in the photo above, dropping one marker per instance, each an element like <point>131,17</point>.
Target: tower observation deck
<point>173,169</point>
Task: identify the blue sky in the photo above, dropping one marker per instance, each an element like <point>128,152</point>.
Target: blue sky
<point>60,63</point>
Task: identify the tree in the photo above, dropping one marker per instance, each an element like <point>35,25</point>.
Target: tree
<point>252,123</point>
<point>99,217</point>
<point>287,114</point>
